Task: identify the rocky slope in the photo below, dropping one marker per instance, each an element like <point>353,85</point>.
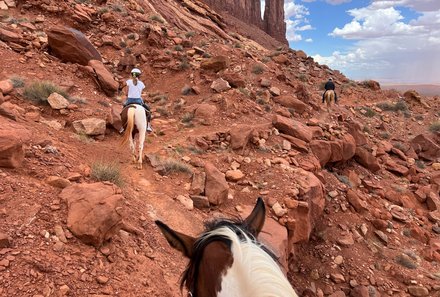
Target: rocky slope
<point>354,194</point>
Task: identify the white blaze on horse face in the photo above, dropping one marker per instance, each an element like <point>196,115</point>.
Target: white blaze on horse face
<point>253,272</point>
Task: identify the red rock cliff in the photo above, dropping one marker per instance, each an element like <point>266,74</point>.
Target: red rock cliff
<point>249,11</point>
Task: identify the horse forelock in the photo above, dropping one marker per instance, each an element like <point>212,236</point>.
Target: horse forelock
<point>234,234</point>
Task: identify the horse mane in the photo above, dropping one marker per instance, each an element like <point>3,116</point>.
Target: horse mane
<point>228,231</point>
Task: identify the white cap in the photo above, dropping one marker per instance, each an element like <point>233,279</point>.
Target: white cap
<point>136,70</point>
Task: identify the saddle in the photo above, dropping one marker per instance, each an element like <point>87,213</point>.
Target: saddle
<point>124,113</point>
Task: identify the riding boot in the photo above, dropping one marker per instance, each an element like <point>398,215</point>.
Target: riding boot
<point>149,128</point>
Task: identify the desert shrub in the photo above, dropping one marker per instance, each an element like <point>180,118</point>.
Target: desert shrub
<point>190,34</point>
<point>420,164</point>
<point>39,91</point>
<point>385,135</point>
<point>107,171</point>
<point>400,146</point>
<point>369,112</point>
<point>344,179</point>
<point>406,261</point>
<point>84,138</point>
<point>260,101</point>
<point>158,97</point>
<point>117,8</point>
<point>103,10</point>
<point>399,106</point>
<point>122,44</point>
<point>385,106</point>
<point>302,77</point>
<point>131,36</point>
<point>435,127</point>
<point>244,91</point>
<point>257,69</point>
<point>17,82</point>
<point>82,101</point>
<point>178,48</point>
<point>169,165</point>
<point>238,45</point>
<point>187,117</point>
<point>195,150</point>
<point>184,64</point>
<point>157,18</point>
<point>163,111</point>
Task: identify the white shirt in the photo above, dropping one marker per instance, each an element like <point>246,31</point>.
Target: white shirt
<point>135,91</point>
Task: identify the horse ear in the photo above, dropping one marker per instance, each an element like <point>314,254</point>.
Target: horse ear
<point>177,240</point>
<point>255,221</point>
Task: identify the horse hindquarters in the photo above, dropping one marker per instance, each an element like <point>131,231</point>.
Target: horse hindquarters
<point>141,125</point>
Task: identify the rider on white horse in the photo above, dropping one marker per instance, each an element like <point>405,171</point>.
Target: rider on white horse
<point>134,92</point>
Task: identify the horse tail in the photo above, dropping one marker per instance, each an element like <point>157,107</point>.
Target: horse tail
<point>130,125</point>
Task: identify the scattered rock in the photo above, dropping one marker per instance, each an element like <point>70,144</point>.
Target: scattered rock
<point>418,291</point>
<point>200,202</point>
<point>220,85</point>
<point>90,126</point>
<point>216,187</point>
<point>234,175</point>
<point>58,182</point>
<point>187,202</point>
<point>57,101</point>
<point>215,63</point>
<point>5,240</point>
<point>71,45</point>
<point>102,280</point>
<point>93,211</point>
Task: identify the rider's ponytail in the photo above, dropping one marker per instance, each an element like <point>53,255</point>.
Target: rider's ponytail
<point>135,80</point>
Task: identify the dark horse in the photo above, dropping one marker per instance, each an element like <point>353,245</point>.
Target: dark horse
<point>228,261</point>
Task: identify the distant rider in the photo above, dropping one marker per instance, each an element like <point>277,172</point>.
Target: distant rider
<point>134,92</point>
<point>329,85</point>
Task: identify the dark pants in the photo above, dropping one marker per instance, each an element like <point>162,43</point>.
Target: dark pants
<point>323,97</point>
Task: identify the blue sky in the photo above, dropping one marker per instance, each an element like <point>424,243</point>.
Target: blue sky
<point>391,41</point>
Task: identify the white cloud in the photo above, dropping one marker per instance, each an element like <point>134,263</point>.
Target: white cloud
<point>309,40</point>
<point>369,23</point>
<point>387,48</point>
<point>296,20</point>
<point>337,2</point>
<point>418,5</point>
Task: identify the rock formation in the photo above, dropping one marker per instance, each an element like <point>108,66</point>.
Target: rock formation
<point>249,11</point>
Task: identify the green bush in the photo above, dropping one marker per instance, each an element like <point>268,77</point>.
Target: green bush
<point>39,91</point>
<point>107,171</point>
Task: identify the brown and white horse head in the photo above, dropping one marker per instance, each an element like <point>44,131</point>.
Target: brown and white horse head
<point>228,261</point>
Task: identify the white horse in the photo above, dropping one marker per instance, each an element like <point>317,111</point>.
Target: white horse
<point>136,123</point>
